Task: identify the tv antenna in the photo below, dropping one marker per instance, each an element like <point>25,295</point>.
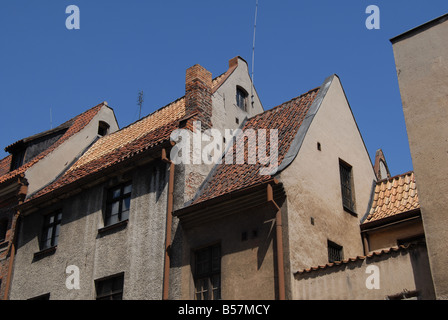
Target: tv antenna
<point>140,103</point>
<point>253,52</point>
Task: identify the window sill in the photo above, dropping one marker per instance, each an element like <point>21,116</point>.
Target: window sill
<point>45,252</point>
<point>353,213</point>
<point>116,226</point>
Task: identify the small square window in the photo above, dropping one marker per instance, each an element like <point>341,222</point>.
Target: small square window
<point>110,288</point>
<point>334,252</point>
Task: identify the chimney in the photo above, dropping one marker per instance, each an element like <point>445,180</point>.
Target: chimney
<point>198,96</point>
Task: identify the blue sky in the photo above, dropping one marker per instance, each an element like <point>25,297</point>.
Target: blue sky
<point>126,46</point>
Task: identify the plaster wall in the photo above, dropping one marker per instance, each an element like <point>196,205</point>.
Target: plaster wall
<point>136,248</point>
<point>313,187</point>
<point>421,58</point>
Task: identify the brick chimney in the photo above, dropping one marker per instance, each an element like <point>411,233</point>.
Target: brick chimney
<point>198,96</point>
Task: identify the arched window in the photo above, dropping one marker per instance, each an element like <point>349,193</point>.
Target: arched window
<point>241,98</point>
<point>103,128</point>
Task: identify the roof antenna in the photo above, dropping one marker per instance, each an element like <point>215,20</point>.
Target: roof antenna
<point>140,103</point>
<point>51,120</point>
<point>253,53</point>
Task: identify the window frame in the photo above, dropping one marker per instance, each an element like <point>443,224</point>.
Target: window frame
<point>55,226</point>
<point>110,199</point>
<point>334,247</point>
<point>107,296</point>
<point>241,97</point>
<point>347,187</point>
<point>207,283</point>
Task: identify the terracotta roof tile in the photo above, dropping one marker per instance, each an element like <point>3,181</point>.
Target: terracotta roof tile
<point>358,258</point>
<point>78,123</point>
<point>287,118</point>
<point>393,196</point>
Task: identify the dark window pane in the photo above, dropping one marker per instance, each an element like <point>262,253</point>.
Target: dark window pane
<point>118,204</point>
<point>207,273</point>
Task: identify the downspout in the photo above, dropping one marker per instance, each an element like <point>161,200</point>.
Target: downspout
<point>23,189</point>
<point>279,241</point>
<point>169,222</point>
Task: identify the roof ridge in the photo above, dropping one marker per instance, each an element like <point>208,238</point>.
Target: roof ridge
<point>395,177</point>
<point>284,103</point>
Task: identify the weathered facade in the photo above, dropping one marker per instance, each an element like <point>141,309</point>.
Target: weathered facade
<point>267,225</point>
<point>33,163</point>
<point>421,58</point>
<point>105,217</point>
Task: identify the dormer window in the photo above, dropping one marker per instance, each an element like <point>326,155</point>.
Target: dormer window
<point>103,128</point>
<point>241,98</point>
<point>17,159</point>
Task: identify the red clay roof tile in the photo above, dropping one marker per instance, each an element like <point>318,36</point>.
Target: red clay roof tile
<point>287,118</point>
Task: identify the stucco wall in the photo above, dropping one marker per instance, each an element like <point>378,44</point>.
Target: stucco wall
<point>396,272</point>
<point>137,249</point>
<point>247,267</point>
<point>387,237</point>
<point>421,58</point>
<point>313,188</point>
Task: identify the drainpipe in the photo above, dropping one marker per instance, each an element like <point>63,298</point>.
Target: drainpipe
<point>169,222</point>
<point>279,240</point>
<point>23,189</point>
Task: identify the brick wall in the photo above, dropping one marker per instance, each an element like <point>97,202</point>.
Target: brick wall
<point>198,96</point>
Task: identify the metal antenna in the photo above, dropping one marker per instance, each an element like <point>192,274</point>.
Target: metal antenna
<point>253,53</point>
<point>140,103</point>
<point>51,120</point>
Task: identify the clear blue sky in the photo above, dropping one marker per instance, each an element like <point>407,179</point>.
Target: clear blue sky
<point>126,46</point>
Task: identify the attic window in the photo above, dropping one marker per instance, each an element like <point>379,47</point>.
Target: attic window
<point>103,128</point>
<point>241,98</point>
<point>17,159</point>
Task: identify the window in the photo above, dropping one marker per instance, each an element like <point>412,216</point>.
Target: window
<point>118,204</point>
<point>45,296</point>
<point>207,273</point>
<point>110,288</point>
<point>17,159</point>
<point>241,98</point>
<point>334,252</point>
<point>3,229</point>
<point>103,128</point>
<point>347,186</point>
<point>50,234</point>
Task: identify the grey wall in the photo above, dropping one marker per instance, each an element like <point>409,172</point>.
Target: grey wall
<point>137,249</point>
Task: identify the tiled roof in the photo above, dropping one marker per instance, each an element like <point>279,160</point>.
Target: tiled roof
<point>77,124</point>
<point>393,196</point>
<point>287,118</point>
<point>358,258</point>
<point>123,144</point>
